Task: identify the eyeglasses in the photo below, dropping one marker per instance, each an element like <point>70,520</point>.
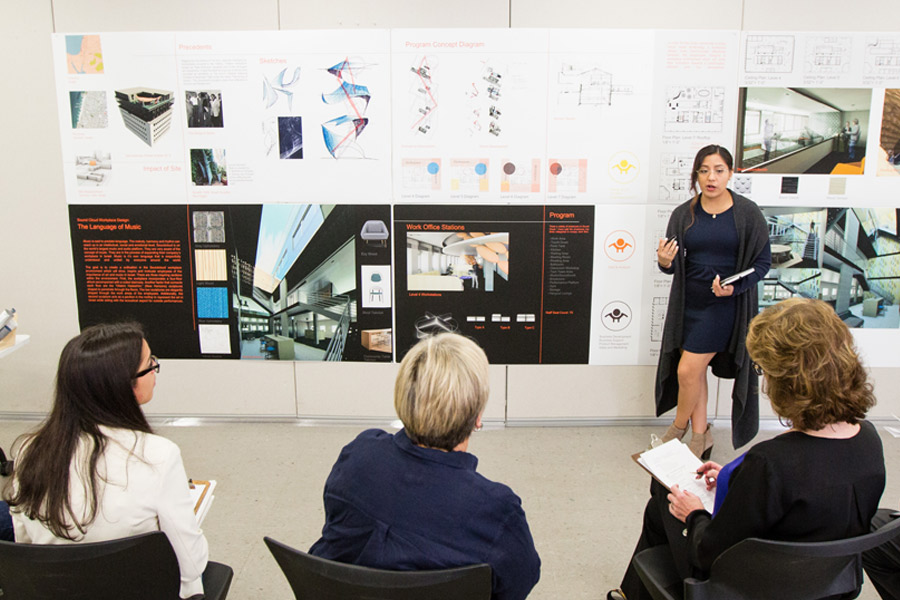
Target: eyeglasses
<point>756,368</point>
<point>154,366</point>
<point>704,172</point>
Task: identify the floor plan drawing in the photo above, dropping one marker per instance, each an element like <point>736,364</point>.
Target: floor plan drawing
<point>882,56</point>
<point>675,177</point>
<point>769,54</point>
<point>658,317</point>
<point>828,54</point>
<point>694,109</point>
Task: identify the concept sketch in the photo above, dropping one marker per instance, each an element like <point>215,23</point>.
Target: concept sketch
<point>485,101</point>
<point>280,86</point>
<point>341,133</point>
<point>424,94</point>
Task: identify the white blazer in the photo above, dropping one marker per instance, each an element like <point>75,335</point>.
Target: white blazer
<point>142,487</point>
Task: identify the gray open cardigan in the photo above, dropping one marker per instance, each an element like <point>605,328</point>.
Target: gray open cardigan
<point>753,239</point>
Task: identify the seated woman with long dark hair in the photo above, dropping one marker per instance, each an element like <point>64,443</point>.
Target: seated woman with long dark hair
<point>819,481</point>
<point>94,470</point>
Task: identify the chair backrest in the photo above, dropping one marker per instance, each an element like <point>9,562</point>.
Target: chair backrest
<point>314,578</point>
<point>142,567</point>
<point>755,568</point>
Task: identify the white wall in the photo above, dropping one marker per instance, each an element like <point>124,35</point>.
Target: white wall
<point>35,254</point>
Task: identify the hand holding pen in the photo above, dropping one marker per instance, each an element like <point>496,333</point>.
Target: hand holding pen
<point>710,473</point>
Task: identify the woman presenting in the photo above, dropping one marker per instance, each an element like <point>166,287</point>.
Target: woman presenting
<point>94,470</point>
<point>714,235</point>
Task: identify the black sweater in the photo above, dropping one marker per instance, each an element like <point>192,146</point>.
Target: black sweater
<point>798,488</point>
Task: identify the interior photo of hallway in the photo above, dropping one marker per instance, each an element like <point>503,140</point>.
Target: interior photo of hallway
<point>803,130</point>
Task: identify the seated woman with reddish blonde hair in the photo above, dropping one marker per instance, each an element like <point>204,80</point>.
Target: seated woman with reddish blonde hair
<point>819,481</point>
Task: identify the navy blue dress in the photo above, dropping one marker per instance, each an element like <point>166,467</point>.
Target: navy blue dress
<point>711,246</point>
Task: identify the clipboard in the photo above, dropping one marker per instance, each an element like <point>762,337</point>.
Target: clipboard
<point>201,492</point>
<point>678,466</point>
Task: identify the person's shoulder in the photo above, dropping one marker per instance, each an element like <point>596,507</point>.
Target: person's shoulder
<point>786,446</point>
<point>367,440</point>
<point>683,207</point>
<point>371,436</point>
<point>681,214</point>
<point>499,494</point>
<point>868,434</point>
<point>148,446</point>
<point>743,202</point>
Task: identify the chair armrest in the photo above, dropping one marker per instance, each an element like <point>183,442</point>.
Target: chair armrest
<point>657,570</point>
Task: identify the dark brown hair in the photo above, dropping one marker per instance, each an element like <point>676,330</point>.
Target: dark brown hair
<point>698,162</point>
<point>94,388</point>
<point>813,375</point>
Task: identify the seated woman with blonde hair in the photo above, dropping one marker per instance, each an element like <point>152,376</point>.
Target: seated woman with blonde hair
<point>94,470</point>
<point>819,481</point>
<point>413,500</point>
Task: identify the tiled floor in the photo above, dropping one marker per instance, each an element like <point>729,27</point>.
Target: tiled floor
<point>581,491</point>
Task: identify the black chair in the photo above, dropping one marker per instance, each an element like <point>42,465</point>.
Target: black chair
<point>755,568</point>
<point>142,567</point>
<point>314,578</point>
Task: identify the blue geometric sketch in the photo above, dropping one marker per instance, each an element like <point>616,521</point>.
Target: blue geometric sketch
<point>341,133</point>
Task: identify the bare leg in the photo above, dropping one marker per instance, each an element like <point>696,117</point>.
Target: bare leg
<point>692,390</point>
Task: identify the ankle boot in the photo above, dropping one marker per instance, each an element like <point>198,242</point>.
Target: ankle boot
<point>673,433</point>
<point>701,444</point>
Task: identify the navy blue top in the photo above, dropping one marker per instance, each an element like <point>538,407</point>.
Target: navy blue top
<point>390,504</point>
<point>710,247</point>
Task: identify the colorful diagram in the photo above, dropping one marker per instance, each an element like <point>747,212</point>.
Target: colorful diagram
<point>341,133</point>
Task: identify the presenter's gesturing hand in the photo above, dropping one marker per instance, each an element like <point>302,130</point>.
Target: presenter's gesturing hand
<point>665,252</point>
<point>720,290</point>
